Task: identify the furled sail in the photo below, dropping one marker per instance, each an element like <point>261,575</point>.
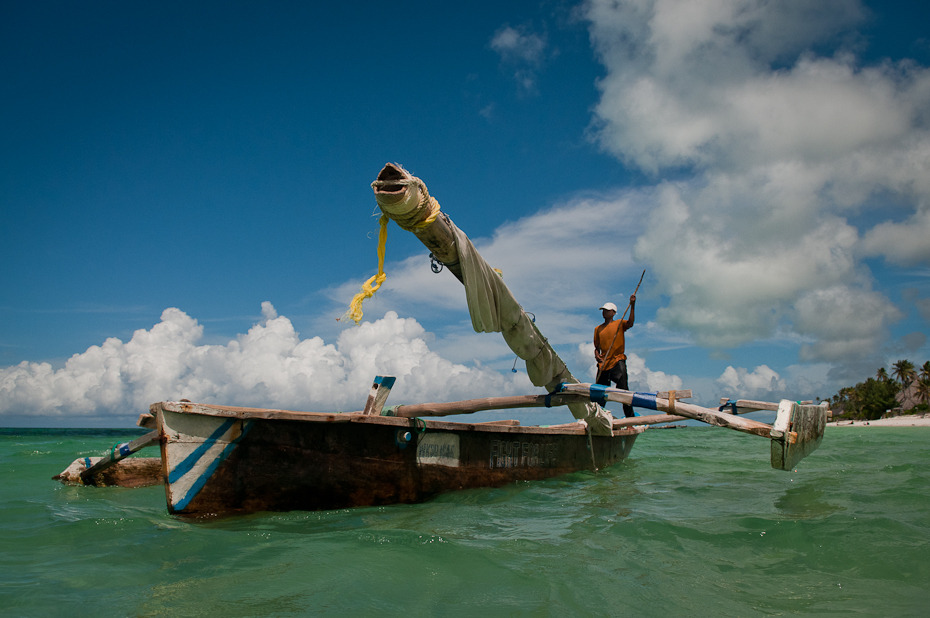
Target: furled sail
<point>405,199</point>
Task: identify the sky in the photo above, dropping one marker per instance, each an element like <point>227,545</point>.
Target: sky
<point>186,201</point>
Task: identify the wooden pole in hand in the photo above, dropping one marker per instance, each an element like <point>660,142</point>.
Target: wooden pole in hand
<point>614,340</point>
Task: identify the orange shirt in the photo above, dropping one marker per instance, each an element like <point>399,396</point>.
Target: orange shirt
<point>604,335</point>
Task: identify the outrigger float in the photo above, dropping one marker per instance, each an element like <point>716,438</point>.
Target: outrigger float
<point>223,460</point>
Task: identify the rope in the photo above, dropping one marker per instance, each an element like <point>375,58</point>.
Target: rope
<point>371,286</point>
<point>413,221</point>
<point>591,448</point>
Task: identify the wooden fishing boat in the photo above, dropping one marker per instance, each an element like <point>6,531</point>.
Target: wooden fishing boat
<point>220,460</point>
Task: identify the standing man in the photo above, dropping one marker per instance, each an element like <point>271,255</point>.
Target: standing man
<point>609,349</point>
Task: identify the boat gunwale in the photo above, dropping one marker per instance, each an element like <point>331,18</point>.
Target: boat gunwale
<point>568,429</point>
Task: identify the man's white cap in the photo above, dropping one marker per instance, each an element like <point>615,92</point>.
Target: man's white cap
<point>609,307</point>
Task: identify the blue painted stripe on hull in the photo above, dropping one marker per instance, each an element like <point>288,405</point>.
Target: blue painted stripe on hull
<point>203,478</point>
<point>188,464</point>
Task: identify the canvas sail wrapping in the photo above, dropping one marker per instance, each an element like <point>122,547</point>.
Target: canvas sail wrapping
<point>492,307</point>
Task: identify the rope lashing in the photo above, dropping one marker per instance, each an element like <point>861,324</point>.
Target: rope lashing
<point>427,205</point>
<point>120,447</point>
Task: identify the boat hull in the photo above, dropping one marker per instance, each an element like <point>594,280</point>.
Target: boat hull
<point>220,461</point>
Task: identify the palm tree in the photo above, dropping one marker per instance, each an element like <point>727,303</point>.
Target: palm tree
<point>925,371</point>
<point>882,374</point>
<point>923,390</point>
<point>905,372</point>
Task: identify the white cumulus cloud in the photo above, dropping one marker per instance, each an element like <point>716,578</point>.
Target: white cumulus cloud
<point>776,149</point>
<point>763,382</point>
<point>269,366</point>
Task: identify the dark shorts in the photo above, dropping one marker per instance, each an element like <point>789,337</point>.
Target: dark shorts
<point>617,375</point>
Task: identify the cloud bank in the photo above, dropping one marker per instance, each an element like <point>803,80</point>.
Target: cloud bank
<point>269,366</point>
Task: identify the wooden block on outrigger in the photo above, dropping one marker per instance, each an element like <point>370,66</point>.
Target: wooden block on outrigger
<point>796,433</point>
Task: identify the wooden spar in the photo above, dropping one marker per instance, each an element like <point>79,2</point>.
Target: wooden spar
<point>573,393</point>
<point>797,431</point>
<point>705,415</point>
<point>745,406</point>
<point>405,199</point>
<point>120,451</point>
<point>470,406</point>
<point>647,419</point>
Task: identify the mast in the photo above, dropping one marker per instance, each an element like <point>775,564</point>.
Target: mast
<point>405,199</point>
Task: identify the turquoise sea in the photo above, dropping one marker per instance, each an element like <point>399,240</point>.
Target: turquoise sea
<point>696,523</point>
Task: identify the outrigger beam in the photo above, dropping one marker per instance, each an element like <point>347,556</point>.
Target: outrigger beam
<point>797,431</point>
<point>114,469</point>
<point>118,453</point>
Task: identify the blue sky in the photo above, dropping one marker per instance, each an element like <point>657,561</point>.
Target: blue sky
<point>187,210</point>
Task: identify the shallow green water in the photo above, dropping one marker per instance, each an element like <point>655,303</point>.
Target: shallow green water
<point>695,523</point>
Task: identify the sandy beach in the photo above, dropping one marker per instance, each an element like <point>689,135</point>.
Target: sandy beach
<point>913,420</point>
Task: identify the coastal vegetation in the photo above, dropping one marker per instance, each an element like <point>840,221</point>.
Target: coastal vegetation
<point>903,390</point>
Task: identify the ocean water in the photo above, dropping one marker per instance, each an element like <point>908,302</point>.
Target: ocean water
<point>695,523</point>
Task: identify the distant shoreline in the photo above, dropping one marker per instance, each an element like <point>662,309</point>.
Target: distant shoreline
<point>912,420</point>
